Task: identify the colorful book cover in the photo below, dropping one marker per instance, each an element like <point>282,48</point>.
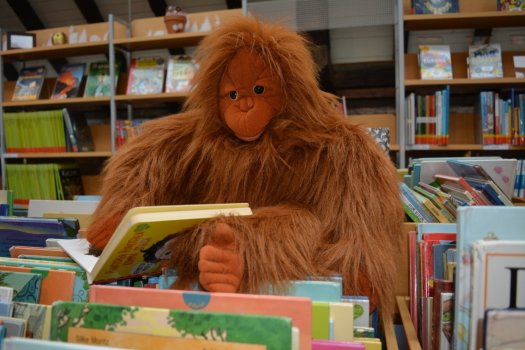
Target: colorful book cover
<point>14,327</point>
<point>485,61</point>
<point>38,318</point>
<point>49,292</point>
<point>29,83</point>
<point>270,331</point>
<point>80,292</point>
<point>445,321</point>
<point>98,82</point>
<point>26,285</point>
<point>30,231</point>
<point>435,7</point>
<point>141,232</point>
<point>297,308</point>
<point>511,5</point>
<point>504,329</point>
<point>477,223</point>
<point>435,62</point>
<point>146,76</point>
<point>318,344</point>
<point>498,280</point>
<point>68,81</point>
<point>361,309</point>
<point>17,250</point>
<point>180,73</point>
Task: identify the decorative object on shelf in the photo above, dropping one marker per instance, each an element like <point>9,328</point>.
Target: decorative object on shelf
<point>435,7</point>
<point>59,38</point>
<point>175,19</point>
<point>485,61</point>
<point>511,5</point>
<point>20,40</point>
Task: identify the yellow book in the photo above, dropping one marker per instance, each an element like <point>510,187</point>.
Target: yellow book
<point>139,234</point>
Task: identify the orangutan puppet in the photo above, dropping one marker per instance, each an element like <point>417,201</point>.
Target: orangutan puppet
<point>257,129</point>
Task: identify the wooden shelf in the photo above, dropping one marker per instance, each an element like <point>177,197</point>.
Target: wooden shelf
<point>99,154</point>
<point>168,41</point>
<point>77,101</point>
<point>152,98</point>
<point>465,147</point>
<point>59,51</point>
<point>485,19</point>
<point>465,82</point>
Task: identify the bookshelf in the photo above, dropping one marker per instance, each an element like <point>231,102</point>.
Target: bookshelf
<point>462,125</point>
<point>102,39</point>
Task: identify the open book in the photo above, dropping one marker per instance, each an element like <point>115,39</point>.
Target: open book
<point>138,245</point>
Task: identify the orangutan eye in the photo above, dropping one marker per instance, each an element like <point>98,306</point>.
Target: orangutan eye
<point>233,95</point>
<point>258,89</point>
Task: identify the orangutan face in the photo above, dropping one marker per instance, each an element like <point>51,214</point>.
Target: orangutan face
<point>250,96</point>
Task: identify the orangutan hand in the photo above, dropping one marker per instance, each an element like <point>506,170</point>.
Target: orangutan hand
<point>220,267</point>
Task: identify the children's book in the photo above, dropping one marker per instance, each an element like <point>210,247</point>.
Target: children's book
<point>38,318</point>
<point>26,285</point>
<point>29,83</point>
<point>82,210</point>
<point>20,343</point>
<point>17,250</point>
<point>435,62</point>
<point>478,223</point>
<point>498,280</point>
<point>318,344</point>
<point>98,82</point>
<point>142,231</point>
<point>180,73</point>
<point>445,325</point>
<point>49,292</point>
<point>511,5</point>
<point>79,138</point>
<point>504,329</point>
<point>435,6</point>
<point>68,81</point>
<point>72,322</point>
<point>519,65</point>
<point>14,327</point>
<point>484,61</point>
<point>297,308</point>
<point>33,231</point>
<point>146,76</point>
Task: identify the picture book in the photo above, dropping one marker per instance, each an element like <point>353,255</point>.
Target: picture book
<point>26,285</point>
<point>504,329</point>
<point>69,181</point>
<point>318,344</point>
<point>511,5</point>
<point>435,6</point>
<point>17,250</point>
<point>435,62</point>
<point>519,66</point>
<point>297,308</point>
<point>73,321</point>
<point>485,61</point>
<point>451,184</point>
<point>21,343</point>
<point>68,81</point>
<point>51,278</point>
<point>477,223</point>
<point>361,309</point>
<point>80,291</point>
<point>142,231</point>
<point>33,231</point>
<point>98,82</point>
<point>146,76</point>
<point>180,73</point>
<point>498,280</point>
<point>29,83</point>
<point>14,327</point>
<point>82,210</point>
<point>38,318</point>
<point>79,138</point>
<point>445,325</point>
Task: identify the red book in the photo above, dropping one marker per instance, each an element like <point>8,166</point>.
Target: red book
<point>461,182</point>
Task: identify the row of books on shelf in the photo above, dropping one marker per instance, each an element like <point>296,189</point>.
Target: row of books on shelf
<point>437,7</point>
<point>483,61</point>
<point>147,75</point>
<point>58,131</point>
<point>436,188</point>
<point>314,314</point>
<point>465,287</point>
<point>428,117</point>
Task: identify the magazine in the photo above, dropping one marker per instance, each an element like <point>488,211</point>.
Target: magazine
<point>146,76</point>
<point>29,83</point>
<point>68,81</point>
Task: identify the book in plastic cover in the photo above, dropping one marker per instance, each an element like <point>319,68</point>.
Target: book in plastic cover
<point>68,81</point>
<point>435,62</point>
<point>29,83</point>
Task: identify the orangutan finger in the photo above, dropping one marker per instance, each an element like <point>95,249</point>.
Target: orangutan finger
<point>223,236</point>
<point>212,253</point>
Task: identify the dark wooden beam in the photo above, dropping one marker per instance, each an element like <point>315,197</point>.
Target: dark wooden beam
<point>89,10</point>
<point>158,7</point>
<point>234,4</point>
<point>31,21</point>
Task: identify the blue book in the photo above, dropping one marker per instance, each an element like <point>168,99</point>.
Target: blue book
<point>317,290</point>
<point>477,223</point>
<point>435,7</point>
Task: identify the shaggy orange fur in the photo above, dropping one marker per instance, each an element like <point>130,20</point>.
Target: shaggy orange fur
<point>325,197</point>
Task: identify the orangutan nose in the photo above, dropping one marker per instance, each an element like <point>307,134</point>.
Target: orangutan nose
<point>246,103</point>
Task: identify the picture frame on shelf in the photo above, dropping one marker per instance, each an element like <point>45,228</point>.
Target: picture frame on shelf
<point>20,40</point>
